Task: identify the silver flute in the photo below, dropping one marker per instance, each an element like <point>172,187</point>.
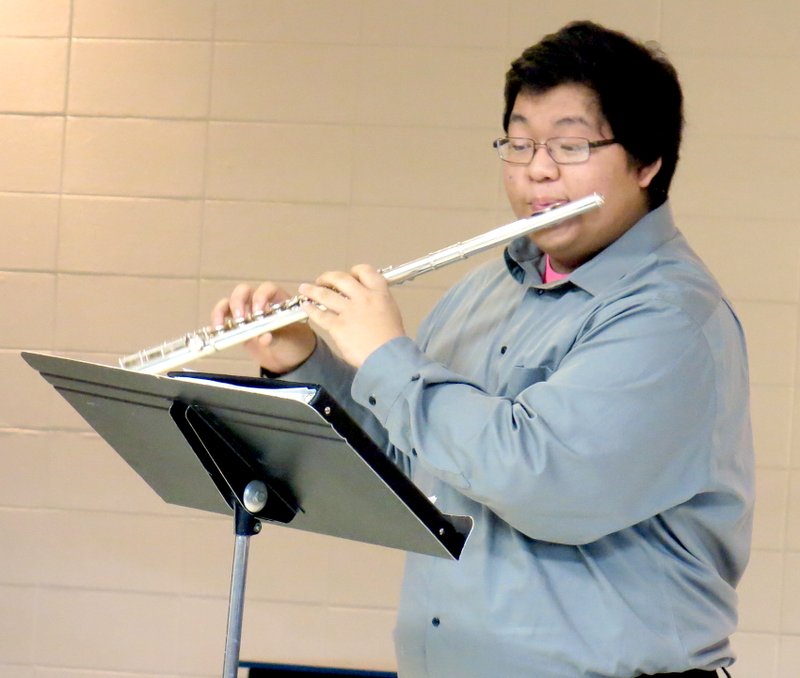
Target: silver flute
<point>208,340</point>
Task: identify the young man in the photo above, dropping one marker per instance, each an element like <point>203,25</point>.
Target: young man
<point>584,398</point>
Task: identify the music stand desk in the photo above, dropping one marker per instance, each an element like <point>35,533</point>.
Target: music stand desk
<point>234,446</point>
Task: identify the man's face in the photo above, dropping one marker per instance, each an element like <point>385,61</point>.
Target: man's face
<point>572,111</point>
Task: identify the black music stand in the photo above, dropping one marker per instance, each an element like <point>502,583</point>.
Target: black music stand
<point>238,446</point>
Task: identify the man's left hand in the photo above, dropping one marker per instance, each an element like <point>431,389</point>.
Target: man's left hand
<point>358,313</point>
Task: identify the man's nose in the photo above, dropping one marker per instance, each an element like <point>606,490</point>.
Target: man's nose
<point>542,167</point>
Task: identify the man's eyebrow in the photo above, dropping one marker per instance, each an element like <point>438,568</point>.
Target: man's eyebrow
<point>561,122</point>
<point>573,120</point>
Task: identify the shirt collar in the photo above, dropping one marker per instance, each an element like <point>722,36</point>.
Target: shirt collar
<point>525,261</point>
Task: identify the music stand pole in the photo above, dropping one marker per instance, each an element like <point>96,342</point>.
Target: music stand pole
<point>246,489</point>
<point>246,526</point>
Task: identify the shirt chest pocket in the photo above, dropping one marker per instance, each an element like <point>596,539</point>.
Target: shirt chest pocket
<point>522,377</point>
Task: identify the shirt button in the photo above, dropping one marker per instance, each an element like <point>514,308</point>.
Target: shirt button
<point>414,377</point>
<point>540,292</point>
<point>503,350</point>
<point>413,451</point>
<point>372,400</point>
<point>435,621</point>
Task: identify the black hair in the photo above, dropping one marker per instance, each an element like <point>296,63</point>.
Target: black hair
<point>636,87</point>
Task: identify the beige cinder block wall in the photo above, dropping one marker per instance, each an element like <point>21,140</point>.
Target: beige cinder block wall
<point>155,152</point>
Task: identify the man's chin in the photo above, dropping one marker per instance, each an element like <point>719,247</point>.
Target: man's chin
<point>556,237</point>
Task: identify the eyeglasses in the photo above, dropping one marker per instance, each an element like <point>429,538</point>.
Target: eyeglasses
<point>563,150</point>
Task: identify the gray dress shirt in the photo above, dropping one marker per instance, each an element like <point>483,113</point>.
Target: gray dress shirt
<point>597,429</point>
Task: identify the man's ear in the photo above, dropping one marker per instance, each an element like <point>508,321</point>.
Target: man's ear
<point>647,173</point>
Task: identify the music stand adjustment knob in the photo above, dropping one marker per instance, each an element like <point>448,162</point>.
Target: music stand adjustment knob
<point>255,496</point>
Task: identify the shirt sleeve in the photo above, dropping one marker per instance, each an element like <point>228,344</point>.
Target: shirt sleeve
<point>619,432</point>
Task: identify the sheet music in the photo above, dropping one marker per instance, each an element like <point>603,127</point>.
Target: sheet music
<point>302,394</point>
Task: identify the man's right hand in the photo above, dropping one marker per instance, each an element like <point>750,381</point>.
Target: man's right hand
<point>280,351</point>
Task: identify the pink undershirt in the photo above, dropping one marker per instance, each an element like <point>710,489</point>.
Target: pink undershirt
<point>551,275</point>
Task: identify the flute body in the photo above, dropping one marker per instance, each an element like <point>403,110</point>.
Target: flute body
<point>209,340</point>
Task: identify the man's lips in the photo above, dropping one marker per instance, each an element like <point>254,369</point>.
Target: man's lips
<point>538,206</point>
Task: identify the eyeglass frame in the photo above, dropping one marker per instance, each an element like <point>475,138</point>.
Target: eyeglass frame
<point>590,145</point>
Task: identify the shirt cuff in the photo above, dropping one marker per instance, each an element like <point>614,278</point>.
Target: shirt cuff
<point>386,374</point>
<point>312,369</point>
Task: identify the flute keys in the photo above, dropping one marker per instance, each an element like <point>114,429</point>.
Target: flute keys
<point>195,342</point>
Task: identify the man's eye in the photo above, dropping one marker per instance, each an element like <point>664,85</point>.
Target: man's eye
<point>570,146</point>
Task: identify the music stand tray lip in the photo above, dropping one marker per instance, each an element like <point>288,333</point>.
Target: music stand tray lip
<point>112,398</point>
